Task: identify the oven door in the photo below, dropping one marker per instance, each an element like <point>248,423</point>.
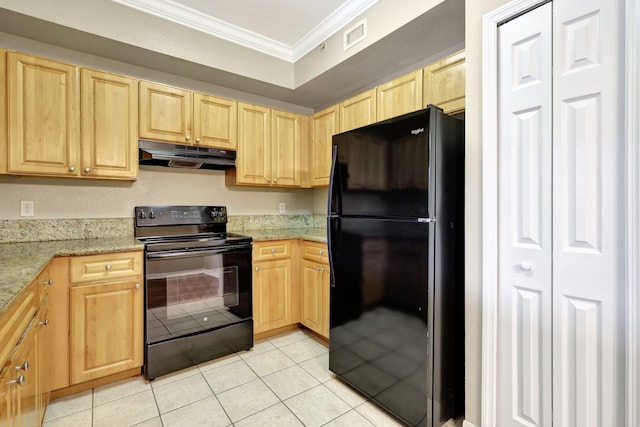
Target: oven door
<point>194,291</point>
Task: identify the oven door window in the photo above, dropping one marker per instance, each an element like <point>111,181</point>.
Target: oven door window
<point>195,293</point>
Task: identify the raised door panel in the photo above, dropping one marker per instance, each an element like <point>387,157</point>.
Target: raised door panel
<point>324,125</point>
<point>588,195</point>
<point>109,130</point>
<point>57,361</point>
<point>7,401</point>
<point>272,295</point>
<point>43,116</point>
<point>215,121</point>
<point>358,111</point>
<point>165,113</point>
<point>326,298</point>
<point>525,288</point>
<point>25,363</point>
<point>106,325</point>
<point>400,96</point>
<point>253,162</point>
<point>312,298</point>
<point>44,348</point>
<point>444,83</point>
<point>285,148</point>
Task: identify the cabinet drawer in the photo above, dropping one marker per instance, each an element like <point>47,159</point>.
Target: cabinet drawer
<point>14,321</point>
<point>105,266</point>
<point>271,250</point>
<point>315,252</point>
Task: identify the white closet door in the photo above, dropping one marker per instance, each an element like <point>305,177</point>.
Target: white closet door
<point>588,256</point>
<point>525,240</point>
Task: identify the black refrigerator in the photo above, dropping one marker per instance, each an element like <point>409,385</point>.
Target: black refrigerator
<point>396,252</point>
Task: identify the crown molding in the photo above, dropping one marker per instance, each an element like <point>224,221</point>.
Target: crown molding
<point>191,18</point>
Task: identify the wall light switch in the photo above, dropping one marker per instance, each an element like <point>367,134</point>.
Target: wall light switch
<point>282,207</point>
<point>27,208</point>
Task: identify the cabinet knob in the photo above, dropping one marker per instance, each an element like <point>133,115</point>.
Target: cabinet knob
<point>197,139</point>
<point>273,250</point>
<point>275,180</point>
<point>72,168</point>
<point>45,323</point>
<point>137,286</point>
<point>320,251</point>
<point>23,367</point>
<point>19,380</point>
<point>257,268</point>
<point>268,179</point>
<point>188,137</point>
<point>525,266</point>
<point>48,282</point>
<point>107,267</point>
<point>87,170</point>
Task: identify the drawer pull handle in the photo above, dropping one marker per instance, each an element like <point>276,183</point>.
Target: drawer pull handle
<point>45,323</point>
<point>273,250</point>
<point>107,267</point>
<point>23,367</point>
<point>19,381</point>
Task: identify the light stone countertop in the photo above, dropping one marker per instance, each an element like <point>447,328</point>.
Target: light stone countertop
<point>20,263</point>
<point>313,234</point>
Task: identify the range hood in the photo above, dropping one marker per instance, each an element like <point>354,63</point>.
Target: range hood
<point>184,156</point>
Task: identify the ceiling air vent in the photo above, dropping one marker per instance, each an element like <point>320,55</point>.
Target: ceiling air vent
<point>355,34</point>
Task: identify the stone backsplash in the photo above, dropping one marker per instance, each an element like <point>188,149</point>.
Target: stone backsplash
<point>39,230</point>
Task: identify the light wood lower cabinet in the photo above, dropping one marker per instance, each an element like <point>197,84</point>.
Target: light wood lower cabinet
<point>106,329</point>
<point>23,383</point>
<point>315,288</point>
<point>106,315</point>
<point>273,293</point>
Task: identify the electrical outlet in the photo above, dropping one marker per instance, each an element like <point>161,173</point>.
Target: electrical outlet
<point>27,208</point>
<point>282,207</point>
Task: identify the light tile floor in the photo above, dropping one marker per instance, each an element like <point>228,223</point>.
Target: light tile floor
<point>282,381</point>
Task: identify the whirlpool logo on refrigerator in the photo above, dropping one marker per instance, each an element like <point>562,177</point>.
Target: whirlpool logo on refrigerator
<point>417,131</point>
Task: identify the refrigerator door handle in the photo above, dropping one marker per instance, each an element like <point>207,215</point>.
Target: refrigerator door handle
<point>333,180</point>
<point>426,220</point>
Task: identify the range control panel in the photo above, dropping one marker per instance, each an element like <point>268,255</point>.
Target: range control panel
<point>176,215</point>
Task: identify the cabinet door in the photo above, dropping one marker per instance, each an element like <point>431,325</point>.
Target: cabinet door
<point>43,350</point>
<point>215,121</point>
<point>253,162</point>
<point>271,295</point>
<point>400,96</point>
<point>358,111</point>
<point>25,363</point>
<point>7,406</point>
<point>444,83</point>
<point>285,148</point>
<point>312,296</point>
<point>324,124</point>
<point>109,118</point>
<point>165,113</point>
<point>105,329</point>
<point>58,329</point>
<point>43,116</point>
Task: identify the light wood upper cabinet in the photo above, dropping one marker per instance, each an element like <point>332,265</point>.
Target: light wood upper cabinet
<point>253,162</point>
<point>165,113</point>
<point>324,124</point>
<point>285,148</point>
<point>444,83</point>
<point>269,143</point>
<point>43,116</point>
<point>215,121</point>
<point>172,114</point>
<point>109,128</point>
<point>400,96</point>
<point>358,111</point>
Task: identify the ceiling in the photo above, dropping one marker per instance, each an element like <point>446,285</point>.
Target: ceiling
<point>287,50</point>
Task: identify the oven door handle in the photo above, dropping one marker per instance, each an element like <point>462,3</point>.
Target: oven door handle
<point>192,253</point>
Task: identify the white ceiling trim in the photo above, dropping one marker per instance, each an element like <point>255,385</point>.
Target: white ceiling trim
<point>191,18</point>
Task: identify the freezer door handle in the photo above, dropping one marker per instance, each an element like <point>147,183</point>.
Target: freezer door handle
<point>426,220</point>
